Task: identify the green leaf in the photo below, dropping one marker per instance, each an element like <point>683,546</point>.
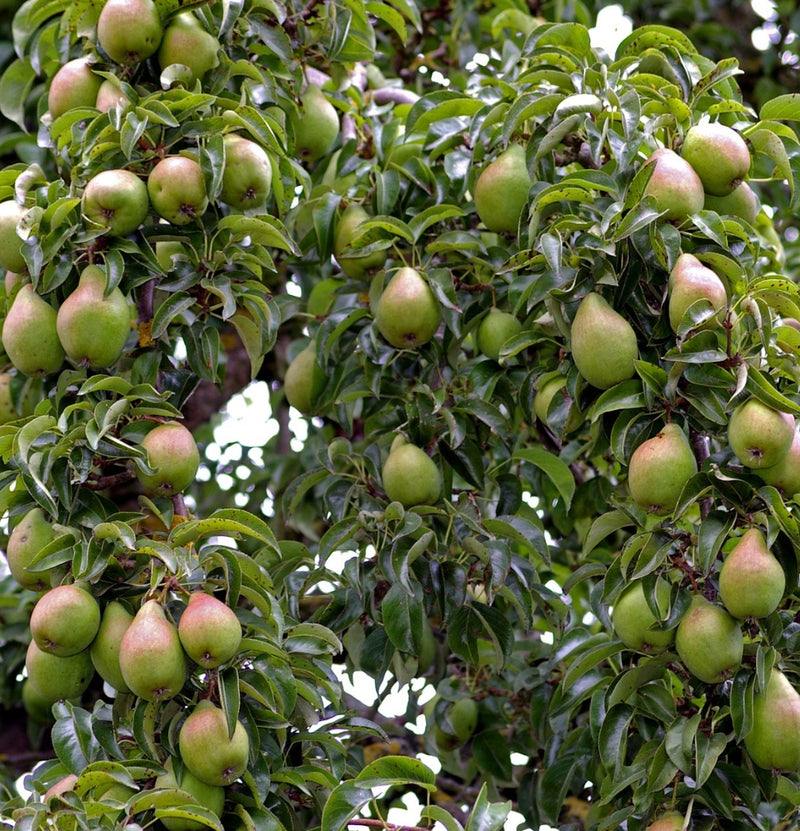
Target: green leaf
<point>556,470</point>
<point>396,770</point>
<point>782,108</point>
<point>485,815</point>
<point>342,805</point>
<point>491,753</point>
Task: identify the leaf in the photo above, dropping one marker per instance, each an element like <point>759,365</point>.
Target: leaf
<point>485,815</point>
<point>396,770</point>
<point>438,106</point>
<point>555,469</point>
<point>402,615</point>
<point>342,805</point>
<point>782,108</point>
<point>491,753</point>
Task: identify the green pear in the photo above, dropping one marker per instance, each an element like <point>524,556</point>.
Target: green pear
<point>304,380</point>
<point>208,796</point>
<point>741,202</point>
<point>407,313</point>
<point>410,476</point>
<point>55,678</point>
<point>38,708</point>
<point>353,264</point>
<point>603,343</point>
<point>186,42</point>
<point>115,200</point>
<point>634,622</point>
<point>73,86</point>
<point>29,536</point>
<point>709,641</point>
<point>692,284</point>
<point>209,630</point>
<point>173,454</point>
<point>718,154</point>
<point>316,125</point>
<point>104,650</point>
<point>463,718</point>
<point>758,435</point>
<point>129,31</point>
<point>30,336</point>
<point>110,95</point>
<point>177,190</point>
<point>751,580</point>
<point>65,620</point>
<point>322,296</point>
<point>8,409</point>
<point>11,243</point>
<point>208,750</point>
<point>674,185</point>
<point>785,475</point>
<point>93,326</point>
<point>494,330</point>
<point>151,658</point>
<point>671,821</point>
<point>501,191</point>
<point>773,741</point>
<point>546,392</point>
<point>247,175</point>
<point>659,468</point>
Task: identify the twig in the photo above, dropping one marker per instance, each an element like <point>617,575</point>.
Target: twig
<point>388,826</point>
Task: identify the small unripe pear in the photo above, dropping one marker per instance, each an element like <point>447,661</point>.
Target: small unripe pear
<point>494,330</point>
<point>209,630</point>
<point>304,380</point>
<point>674,185</point>
<point>65,620</point>
<point>603,343</point>
<point>209,796</point>
<point>56,678</point>
<point>151,657</point>
<point>709,641</point>
<point>501,191</point>
<point>30,336</point>
<point>659,468</point>
<point>172,453</point>
<point>774,738</point>
<point>212,754</point>
<point>407,313</point>
<point>463,717</point>
<point>93,326</point>
<point>411,477</point>
<point>129,31</point>
<point>719,156</point>
<point>38,708</point>
<point>751,580</point>
<point>10,242</point>
<point>353,265</point>
<point>758,435</point>
<point>30,535</point>
<point>693,284</point>
<point>635,623</point>
<point>546,392</point>
<point>316,126</point>
<point>104,650</point>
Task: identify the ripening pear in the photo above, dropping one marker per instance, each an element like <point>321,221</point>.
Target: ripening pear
<point>30,336</point>
<point>110,95</point>
<point>741,202</point>
<point>209,796</point>
<point>74,85</point>
<point>209,630</point>
<point>316,126</point>
<point>659,468</point>
<point>92,325</point>
<point>11,243</point>
<point>634,622</point>
<point>774,738</point>
<point>674,185</point>
<point>709,641</point>
<point>104,650</point>
<point>354,265</point>
<point>407,313</point>
<point>758,435</point>
<point>65,620</point>
<point>671,821</point>
<point>692,284</point>
<point>718,154</point>
<point>173,454</point>
<point>56,678</point>
<point>129,31</point>
<point>603,343</point>
<point>494,330</point>
<point>751,580</point>
<point>410,476</point>
<point>501,192</point>
<point>30,535</point>
<point>151,657</point>
<point>785,475</point>
<point>304,380</point>
<point>208,750</point>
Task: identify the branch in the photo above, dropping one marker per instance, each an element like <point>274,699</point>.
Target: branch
<point>389,826</point>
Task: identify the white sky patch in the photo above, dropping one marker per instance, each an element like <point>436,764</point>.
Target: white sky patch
<point>612,27</point>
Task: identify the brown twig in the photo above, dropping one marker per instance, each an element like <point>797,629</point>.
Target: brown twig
<point>389,826</point>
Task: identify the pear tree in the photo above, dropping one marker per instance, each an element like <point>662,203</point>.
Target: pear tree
<point>515,321</point>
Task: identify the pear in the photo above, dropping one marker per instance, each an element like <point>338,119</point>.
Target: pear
<point>501,191</point>
<point>316,126</point>
<point>209,630</point>
<point>494,330</point>
<point>634,622</point>
<point>11,243</point>
<point>674,185</point>
<point>115,200</point>
<point>785,475</point>
<point>173,454</point>
<point>718,154</point>
<point>38,708</point>
<point>741,202</point>
<point>751,580</point>
<point>304,380</point>
<point>65,620</point>
<point>692,284</point>
<point>208,750</point>
<point>209,796</point>
<point>322,296</point>
<point>758,435</point>
<point>603,343</point>
<point>659,468</point>
<point>93,326</point>
<point>247,175</point>
<point>407,313</point>
<point>129,31</point>
<point>546,392</point>
<point>671,821</point>
<point>110,95</point>
<point>55,678</point>
<point>104,650</point>
<point>30,535</point>
<point>74,85</point>
<point>354,265</point>
<point>186,42</point>
<point>709,641</point>
<point>151,658</point>
<point>30,336</point>
<point>773,741</point>
<point>463,717</point>
<point>410,476</point>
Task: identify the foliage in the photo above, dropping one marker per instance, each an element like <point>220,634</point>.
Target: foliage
<point>499,593</point>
